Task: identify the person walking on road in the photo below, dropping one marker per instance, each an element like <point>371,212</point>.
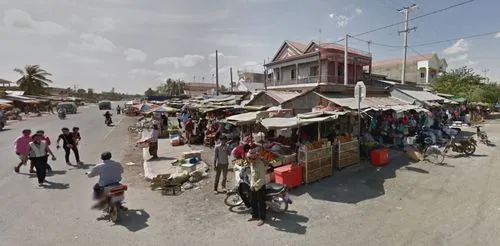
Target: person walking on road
<point>21,145</point>
<point>38,152</point>
<point>68,144</point>
<point>153,142</point>
<point>257,182</point>
<point>221,163</point>
<point>47,141</point>
<point>76,135</point>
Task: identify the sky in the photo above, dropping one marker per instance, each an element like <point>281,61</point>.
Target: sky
<point>131,45</point>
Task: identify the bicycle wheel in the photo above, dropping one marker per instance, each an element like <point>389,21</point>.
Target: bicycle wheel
<point>434,155</point>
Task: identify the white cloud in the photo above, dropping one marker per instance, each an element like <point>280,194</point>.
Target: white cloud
<point>497,35</point>
<point>341,20</point>
<point>459,47</point>
<point>22,21</point>
<point>175,76</point>
<point>73,57</point>
<point>104,24</point>
<point>92,42</point>
<point>178,62</point>
<point>135,55</point>
<point>459,58</point>
<point>141,72</point>
<point>101,24</point>
<point>222,55</point>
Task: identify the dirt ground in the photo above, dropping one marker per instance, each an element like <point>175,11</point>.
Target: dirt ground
<point>134,175</point>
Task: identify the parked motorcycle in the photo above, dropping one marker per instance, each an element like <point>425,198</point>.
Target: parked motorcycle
<point>482,135</point>
<point>62,115</point>
<point>277,198</point>
<point>113,200</point>
<point>463,146</point>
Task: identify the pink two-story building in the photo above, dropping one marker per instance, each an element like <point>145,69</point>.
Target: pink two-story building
<point>302,65</point>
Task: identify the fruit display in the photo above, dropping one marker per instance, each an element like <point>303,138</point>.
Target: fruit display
<point>240,162</point>
<point>268,155</point>
<point>344,139</point>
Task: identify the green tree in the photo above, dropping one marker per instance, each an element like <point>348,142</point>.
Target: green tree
<point>223,88</point>
<point>461,81</point>
<point>149,92</point>
<point>34,80</point>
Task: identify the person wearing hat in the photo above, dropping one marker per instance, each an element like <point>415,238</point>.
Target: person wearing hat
<point>38,152</point>
<point>257,182</point>
<point>109,172</point>
<point>153,142</point>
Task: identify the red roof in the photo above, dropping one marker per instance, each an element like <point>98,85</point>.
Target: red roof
<point>297,45</point>
<point>395,61</point>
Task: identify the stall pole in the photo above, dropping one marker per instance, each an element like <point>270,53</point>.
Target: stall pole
<point>359,125</point>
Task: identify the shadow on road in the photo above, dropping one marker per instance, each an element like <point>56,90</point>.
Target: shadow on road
<point>289,222</point>
<point>56,186</point>
<point>82,166</point>
<point>134,219</point>
<point>161,158</point>
<point>357,183</point>
<point>416,169</point>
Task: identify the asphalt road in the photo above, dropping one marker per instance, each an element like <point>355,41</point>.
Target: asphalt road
<point>400,204</point>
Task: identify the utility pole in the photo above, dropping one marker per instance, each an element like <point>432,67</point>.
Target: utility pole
<point>216,72</point>
<point>485,71</point>
<point>346,53</point>
<point>265,75</point>
<point>369,43</point>
<point>231,74</point>
<point>406,10</point>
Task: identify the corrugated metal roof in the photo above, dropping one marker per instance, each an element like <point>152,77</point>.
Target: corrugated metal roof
<point>282,96</point>
<point>422,95</point>
<point>368,102</point>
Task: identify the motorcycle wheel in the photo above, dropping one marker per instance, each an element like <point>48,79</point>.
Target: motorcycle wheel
<point>114,212</point>
<point>278,205</point>
<point>434,155</point>
<point>233,199</point>
<point>470,149</point>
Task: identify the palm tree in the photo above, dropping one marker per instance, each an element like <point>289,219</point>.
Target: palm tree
<point>34,79</point>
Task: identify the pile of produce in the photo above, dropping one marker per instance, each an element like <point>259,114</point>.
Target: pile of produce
<point>240,162</point>
<point>268,155</point>
<point>314,145</point>
<point>344,139</point>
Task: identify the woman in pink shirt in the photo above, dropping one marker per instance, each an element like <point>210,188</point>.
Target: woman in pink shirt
<point>21,145</point>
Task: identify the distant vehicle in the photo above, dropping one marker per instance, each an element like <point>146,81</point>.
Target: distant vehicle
<point>70,107</point>
<point>105,104</point>
<point>3,119</point>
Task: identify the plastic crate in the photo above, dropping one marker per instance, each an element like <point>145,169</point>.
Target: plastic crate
<point>289,175</point>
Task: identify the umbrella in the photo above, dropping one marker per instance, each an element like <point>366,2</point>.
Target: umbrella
<point>162,110</point>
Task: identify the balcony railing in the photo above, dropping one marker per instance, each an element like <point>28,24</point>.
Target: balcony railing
<point>312,80</point>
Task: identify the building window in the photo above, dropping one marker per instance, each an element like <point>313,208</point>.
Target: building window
<point>292,74</point>
<point>340,71</point>
<point>313,71</point>
<point>277,75</point>
<point>422,75</point>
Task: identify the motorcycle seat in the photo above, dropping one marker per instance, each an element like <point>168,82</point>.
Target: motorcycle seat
<point>274,188</point>
<point>116,188</point>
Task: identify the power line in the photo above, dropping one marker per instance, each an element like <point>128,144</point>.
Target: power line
<point>416,17</point>
<point>455,39</point>
<point>433,42</point>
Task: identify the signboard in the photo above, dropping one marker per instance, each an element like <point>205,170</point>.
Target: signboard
<point>360,91</point>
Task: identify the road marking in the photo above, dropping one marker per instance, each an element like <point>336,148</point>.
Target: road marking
<point>112,129</point>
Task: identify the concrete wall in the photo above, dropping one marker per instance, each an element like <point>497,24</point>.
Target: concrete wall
<point>393,71</point>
